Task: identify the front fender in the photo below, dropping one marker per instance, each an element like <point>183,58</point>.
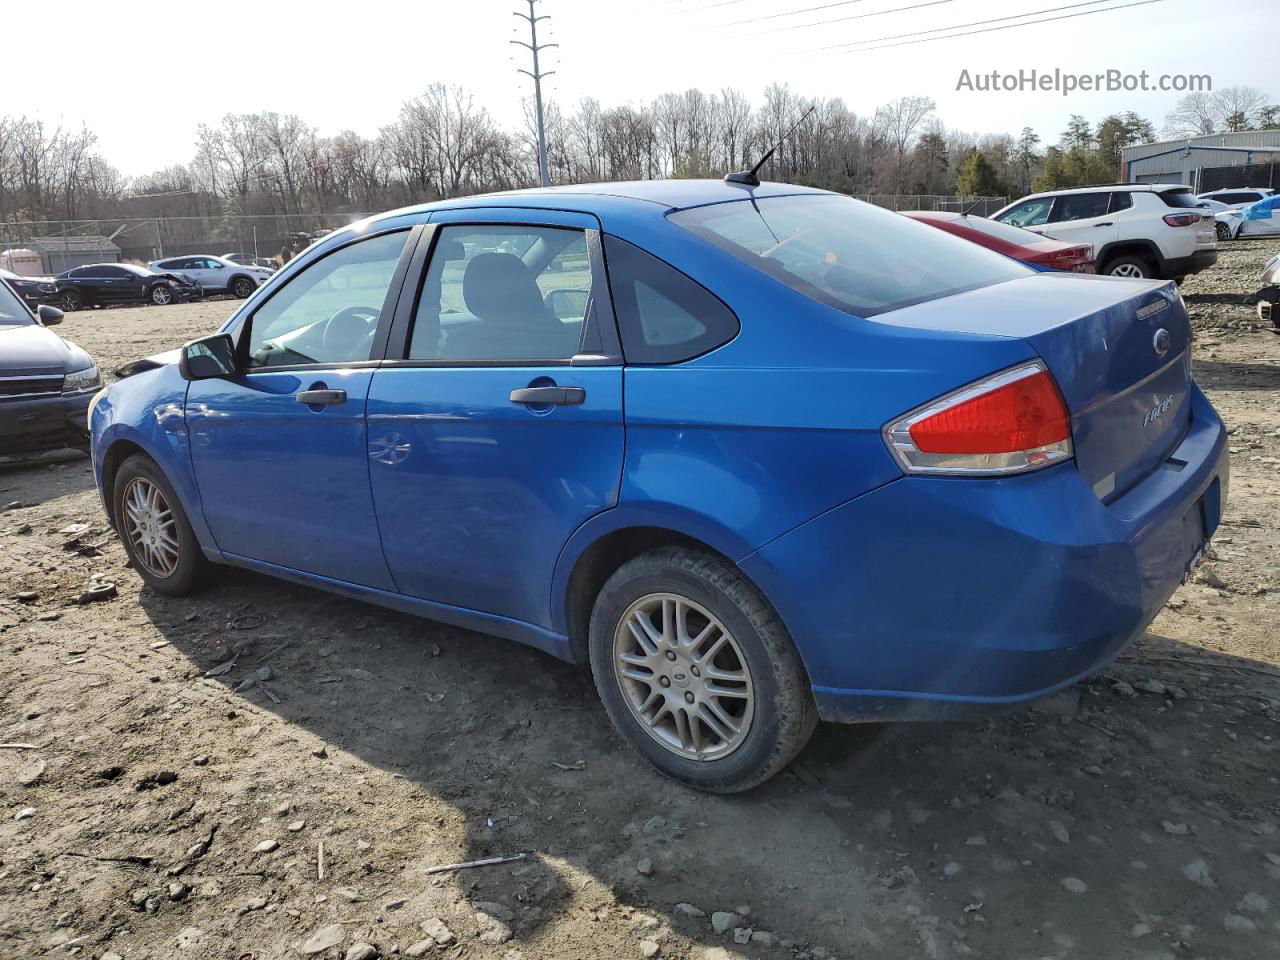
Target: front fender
<point>147,411</point>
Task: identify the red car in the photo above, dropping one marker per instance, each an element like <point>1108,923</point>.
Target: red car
<point>1032,249</point>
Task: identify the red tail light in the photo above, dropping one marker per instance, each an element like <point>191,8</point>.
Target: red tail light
<point>1181,219</point>
<point>1008,423</point>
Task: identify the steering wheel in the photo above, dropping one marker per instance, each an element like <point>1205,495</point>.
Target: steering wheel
<point>346,331</point>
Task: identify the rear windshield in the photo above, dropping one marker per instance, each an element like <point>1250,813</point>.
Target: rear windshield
<point>847,254</point>
<point>1179,198</point>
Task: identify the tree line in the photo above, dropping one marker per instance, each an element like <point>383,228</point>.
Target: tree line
<point>443,143</point>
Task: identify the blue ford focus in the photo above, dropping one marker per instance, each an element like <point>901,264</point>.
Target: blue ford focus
<point>759,455</point>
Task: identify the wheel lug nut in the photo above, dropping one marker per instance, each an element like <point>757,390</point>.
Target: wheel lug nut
<point>671,654</point>
<point>695,672</point>
<point>688,698</point>
<point>665,681</point>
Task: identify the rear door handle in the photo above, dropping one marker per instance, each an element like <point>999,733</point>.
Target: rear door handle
<point>321,398</point>
<point>1108,223</point>
<point>560,396</point>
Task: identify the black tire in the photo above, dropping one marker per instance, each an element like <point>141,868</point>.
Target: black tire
<point>1131,266</point>
<point>784,715</point>
<point>192,567</point>
<point>161,295</point>
<point>1223,232</point>
<point>71,301</point>
<point>241,287</point>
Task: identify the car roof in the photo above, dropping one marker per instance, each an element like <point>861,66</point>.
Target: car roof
<point>1209,193</point>
<point>1103,187</point>
<point>656,197</point>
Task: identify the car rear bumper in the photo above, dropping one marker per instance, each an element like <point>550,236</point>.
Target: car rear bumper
<point>29,428</point>
<point>1181,266</point>
<point>934,596</point>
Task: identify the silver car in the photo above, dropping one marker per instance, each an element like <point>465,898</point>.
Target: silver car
<point>215,274</point>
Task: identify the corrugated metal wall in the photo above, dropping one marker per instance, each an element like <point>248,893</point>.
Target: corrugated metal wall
<point>1170,161</point>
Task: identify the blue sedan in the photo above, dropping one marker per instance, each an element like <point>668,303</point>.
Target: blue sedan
<point>759,456</point>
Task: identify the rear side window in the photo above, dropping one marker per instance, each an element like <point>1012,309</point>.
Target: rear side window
<point>850,255</point>
<point>663,316</point>
<point>1080,206</point>
<point>1120,200</point>
<point>1179,198</point>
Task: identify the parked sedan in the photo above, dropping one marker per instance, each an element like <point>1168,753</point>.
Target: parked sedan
<point>214,274</point>
<point>33,290</point>
<point>1036,251</point>
<point>107,284</point>
<point>45,383</point>
<point>760,455</point>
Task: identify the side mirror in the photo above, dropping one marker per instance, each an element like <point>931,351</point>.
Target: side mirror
<point>48,315</point>
<point>209,358</point>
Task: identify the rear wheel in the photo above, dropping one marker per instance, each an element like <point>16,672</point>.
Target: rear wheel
<point>1130,267</point>
<point>697,671</point>
<point>154,529</point>
<point>71,300</point>
<point>241,287</point>
<point>161,295</point>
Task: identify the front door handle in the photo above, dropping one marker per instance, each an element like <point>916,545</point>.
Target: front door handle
<point>560,396</point>
<point>1108,223</point>
<point>321,398</point>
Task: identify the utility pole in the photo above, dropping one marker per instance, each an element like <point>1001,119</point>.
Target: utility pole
<point>544,172</point>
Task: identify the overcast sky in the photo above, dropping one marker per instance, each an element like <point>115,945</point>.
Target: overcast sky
<point>143,76</point>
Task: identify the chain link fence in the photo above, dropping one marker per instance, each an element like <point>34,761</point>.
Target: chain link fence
<point>62,244</point>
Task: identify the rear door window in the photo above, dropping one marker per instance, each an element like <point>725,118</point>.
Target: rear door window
<point>663,315</point>
<point>503,293</point>
<point>1080,206</point>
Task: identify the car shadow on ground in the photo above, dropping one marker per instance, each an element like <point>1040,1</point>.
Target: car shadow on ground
<point>881,840</point>
<point>69,473</point>
<point>1257,374</point>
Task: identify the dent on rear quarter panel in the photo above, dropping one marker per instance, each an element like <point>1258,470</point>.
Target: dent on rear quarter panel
<point>148,409</point>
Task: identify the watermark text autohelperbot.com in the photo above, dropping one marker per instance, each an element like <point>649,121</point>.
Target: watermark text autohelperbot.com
<point>1067,83</point>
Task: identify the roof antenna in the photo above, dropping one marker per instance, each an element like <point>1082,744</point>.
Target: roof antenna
<point>748,177</point>
<point>971,207</point>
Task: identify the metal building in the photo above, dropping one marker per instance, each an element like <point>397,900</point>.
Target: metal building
<point>1250,158</point>
<point>63,253</point>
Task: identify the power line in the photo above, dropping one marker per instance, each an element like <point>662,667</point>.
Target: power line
<point>861,44</point>
<point>544,172</point>
<point>793,13</point>
<point>860,16</point>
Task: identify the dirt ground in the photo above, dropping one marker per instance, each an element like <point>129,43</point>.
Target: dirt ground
<point>173,806</point>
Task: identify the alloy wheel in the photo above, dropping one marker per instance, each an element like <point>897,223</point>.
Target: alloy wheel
<point>151,527</point>
<point>1223,232</point>
<point>161,296</point>
<point>1130,270</point>
<point>683,677</point>
<point>70,300</point>
<point>242,288</point>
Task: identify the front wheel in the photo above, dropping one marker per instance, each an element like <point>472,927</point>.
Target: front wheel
<point>697,671</point>
<point>154,529</point>
<point>161,295</point>
<point>1223,232</point>
<point>241,287</point>
<point>71,300</point>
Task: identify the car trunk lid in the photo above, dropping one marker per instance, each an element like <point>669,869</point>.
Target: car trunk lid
<point>1119,351</point>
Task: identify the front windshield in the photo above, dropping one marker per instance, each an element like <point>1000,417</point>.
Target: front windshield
<point>12,310</point>
<point>850,255</point>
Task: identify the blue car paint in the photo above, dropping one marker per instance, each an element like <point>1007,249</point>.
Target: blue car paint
<point>308,504</point>
<point>896,589</point>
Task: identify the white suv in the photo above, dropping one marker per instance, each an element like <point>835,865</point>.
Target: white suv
<point>214,274</point>
<point>1239,197</point>
<point>1136,229</point>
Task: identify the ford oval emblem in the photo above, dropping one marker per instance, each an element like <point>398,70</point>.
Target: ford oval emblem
<point>1160,342</point>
